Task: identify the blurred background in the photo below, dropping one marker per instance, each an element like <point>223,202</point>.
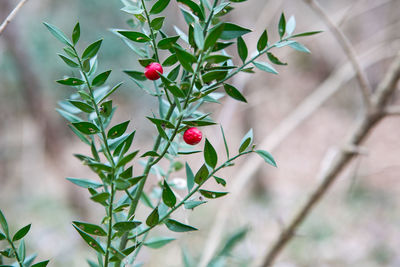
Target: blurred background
<point>356,224</point>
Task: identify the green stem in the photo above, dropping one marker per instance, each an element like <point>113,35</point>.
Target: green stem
<point>110,159</point>
<point>192,192</point>
<point>152,35</point>
<point>15,252</point>
<point>109,233</point>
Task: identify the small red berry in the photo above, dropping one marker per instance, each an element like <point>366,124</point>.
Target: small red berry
<point>192,136</point>
<point>151,71</point>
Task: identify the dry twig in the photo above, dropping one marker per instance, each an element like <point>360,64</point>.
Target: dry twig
<point>11,16</point>
<point>361,130</point>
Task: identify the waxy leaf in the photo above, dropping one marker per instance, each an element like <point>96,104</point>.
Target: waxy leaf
<point>76,33</point>
<point>194,7</point>
<point>290,25</point>
<point>176,226</point>
<point>210,155</point>
<point>153,218</point>
<point>21,233</point>
<point>202,174</point>
<point>234,93</point>
<point>274,59</point>
<point>83,106</point>
<point>92,50</point>
<point>86,127</point>
<point>158,242</point>
<point>299,47</point>
<point>85,183</point>
<point>100,197</point>
<point>100,79</point>
<point>168,195</point>
<point>213,36</point>
<point>306,34</point>
<point>58,34</point>
<point>233,31</point>
<point>41,264</point>
<point>90,240</point>
<point>198,36</point>
<point>267,157</point>
<point>263,41</point>
<point>117,130</point>
<point>135,36</point>
<point>71,81</point>
<point>125,160</point>
<point>90,228</point>
<point>282,26</point>
<point>189,177</point>
<point>191,204</point>
<point>126,226</point>
<point>265,67</point>
<point>137,75</point>
<point>167,43</point>
<point>212,194</point>
<point>69,62</point>
<point>247,140</point>
<point>159,6</point>
<point>157,23</point>
<point>242,49</point>
<point>185,58</point>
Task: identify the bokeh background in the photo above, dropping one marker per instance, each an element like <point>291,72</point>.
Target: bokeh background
<point>356,224</point>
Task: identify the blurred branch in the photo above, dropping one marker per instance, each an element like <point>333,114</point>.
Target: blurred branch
<point>392,111</point>
<point>12,15</point>
<point>361,130</point>
<point>348,49</point>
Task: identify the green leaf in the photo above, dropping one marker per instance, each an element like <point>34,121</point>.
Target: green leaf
<point>150,154</point>
<point>21,233</point>
<point>130,249</point>
<point>69,62</point>
<point>71,81</point>
<point>213,36</point>
<point>153,218</point>
<point>135,36</point>
<point>168,195</point>
<point>2,236</point>
<point>267,157</point>
<point>82,106</point>
<point>189,177</point>
<point>263,41</point>
<point>282,26</point>
<point>247,140</point>
<point>305,34</point>
<point>3,223</point>
<point>198,36</point>
<point>191,204</point>
<point>194,7</point>
<point>242,49</point>
<point>41,264</point>
<point>125,160</point>
<point>299,47</point>
<point>58,34</point>
<point>232,241</point>
<point>170,61</point>
<point>92,50</point>
<point>167,43</point>
<point>117,130</point>
<point>234,93</point>
<point>274,59</point>
<point>85,183</point>
<point>176,226</point>
<point>86,127</point>
<point>220,180</point>
<point>214,75</point>
<point>90,240</point>
<point>233,31</point>
<point>215,59</point>
<point>225,142</point>
<point>212,194</point>
<point>126,226</point>
<point>185,58</point>
<point>290,25</point>
<point>100,79</point>
<point>22,250</point>
<point>76,33</point>
<point>90,228</point>
<point>157,23</point>
<point>265,67</point>
<point>159,6</point>
<point>100,197</point>
<point>210,155</point>
<point>158,242</point>
<point>137,75</point>
<point>201,175</point>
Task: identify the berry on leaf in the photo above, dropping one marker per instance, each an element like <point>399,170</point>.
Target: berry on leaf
<point>152,71</point>
<point>192,136</point>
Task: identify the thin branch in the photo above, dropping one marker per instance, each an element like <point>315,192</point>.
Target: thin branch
<point>392,111</point>
<point>11,16</point>
<point>348,49</point>
<point>361,130</point>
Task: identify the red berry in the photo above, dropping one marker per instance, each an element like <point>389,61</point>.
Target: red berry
<point>192,136</point>
<point>151,71</point>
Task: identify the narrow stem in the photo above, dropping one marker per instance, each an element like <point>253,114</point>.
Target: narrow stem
<point>15,252</point>
<point>193,191</point>
<point>109,233</point>
<point>152,35</point>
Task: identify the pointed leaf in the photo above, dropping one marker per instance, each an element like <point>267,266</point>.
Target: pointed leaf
<point>76,33</point>
<point>71,81</point>
<point>291,25</point>
<point>210,155</point>
<point>299,47</point>
<point>135,36</point>
<point>21,233</point>
<point>267,157</point>
<point>233,31</point>
<point>212,194</point>
<point>117,130</point>
<point>265,67</point>
<point>158,242</point>
<point>242,49</point>
<point>202,174</point>
<point>191,204</point>
<point>86,127</point>
<point>3,223</point>
<point>153,218</point>
<point>92,50</point>
<point>168,195</point>
<point>126,226</point>
<point>213,36</point>
<point>90,228</point>
<point>263,41</point>
<point>247,140</point>
<point>69,62</point>
<point>90,240</point>
<point>274,59</point>
<point>282,26</point>
<point>189,177</point>
<point>176,226</point>
<point>85,183</point>
<point>82,106</point>
<point>234,93</point>
<point>41,264</point>
<point>58,34</point>
<point>159,6</point>
<point>100,79</point>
